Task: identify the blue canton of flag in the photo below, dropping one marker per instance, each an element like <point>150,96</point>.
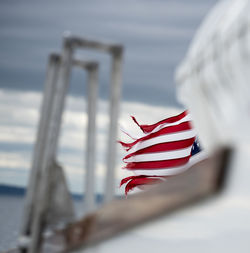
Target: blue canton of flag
<point>195,148</point>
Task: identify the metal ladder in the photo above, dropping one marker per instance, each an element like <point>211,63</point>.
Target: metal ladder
<point>48,200</point>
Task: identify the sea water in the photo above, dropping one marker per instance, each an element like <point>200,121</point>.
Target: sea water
<point>11,213</point>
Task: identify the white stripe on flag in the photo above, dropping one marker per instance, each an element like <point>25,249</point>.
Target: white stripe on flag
<point>162,139</point>
<point>162,172</point>
<point>159,156</point>
<point>172,171</point>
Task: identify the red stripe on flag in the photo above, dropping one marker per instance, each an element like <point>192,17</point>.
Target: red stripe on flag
<point>166,146</point>
<point>166,130</point>
<point>157,164</point>
<point>135,181</point>
<point>150,128</point>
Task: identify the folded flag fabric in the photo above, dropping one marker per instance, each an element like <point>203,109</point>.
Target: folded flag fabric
<point>164,150</point>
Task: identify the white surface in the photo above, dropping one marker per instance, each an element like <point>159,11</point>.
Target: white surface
<point>220,224</point>
<point>213,81</point>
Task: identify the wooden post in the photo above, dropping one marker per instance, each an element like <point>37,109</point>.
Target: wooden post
<point>32,189</point>
<point>116,52</point>
<point>91,140</point>
<point>49,129</point>
<point>51,147</point>
<point>116,80</point>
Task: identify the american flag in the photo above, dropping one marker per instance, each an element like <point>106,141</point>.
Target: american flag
<point>164,150</point>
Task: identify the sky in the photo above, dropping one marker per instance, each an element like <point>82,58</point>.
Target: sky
<point>155,34</point>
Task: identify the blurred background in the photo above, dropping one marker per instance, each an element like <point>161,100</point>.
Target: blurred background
<point>155,35</point>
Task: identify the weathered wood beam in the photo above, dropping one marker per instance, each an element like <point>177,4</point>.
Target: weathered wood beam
<point>201,181</point>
